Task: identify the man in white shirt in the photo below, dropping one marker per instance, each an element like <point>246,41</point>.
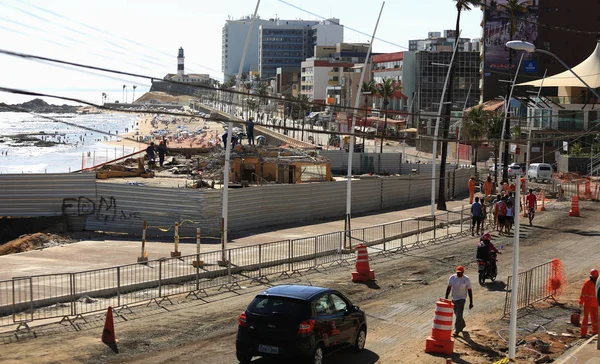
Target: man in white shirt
<point>460,285</point>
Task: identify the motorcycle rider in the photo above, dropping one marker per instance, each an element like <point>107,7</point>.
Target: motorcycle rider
<point>484,248</point>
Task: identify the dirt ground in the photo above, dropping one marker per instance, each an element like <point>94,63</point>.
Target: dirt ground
<point>34,241</point>
<point>399,304</point>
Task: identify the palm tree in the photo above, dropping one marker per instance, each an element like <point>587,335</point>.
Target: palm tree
<point>461,5</point>
<point>386,90</point>
<point>367,88</point>
<point>474,129</point>
<point>133,98</point>
<point>512,7</point>
<point>493,132</point>
<point>124,94</point>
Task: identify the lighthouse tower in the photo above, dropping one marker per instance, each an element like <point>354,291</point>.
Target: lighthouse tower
<point>180,59</point>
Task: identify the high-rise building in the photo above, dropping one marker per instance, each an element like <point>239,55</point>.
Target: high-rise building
<point>233,40</point>
<point>436,43</point>
<point>274,43</point>
<point>286,43</point>
<point>431,76</point>
<point>546,24</point>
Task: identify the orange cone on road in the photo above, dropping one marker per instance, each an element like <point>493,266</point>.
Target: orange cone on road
<point>363,270</point>
<point>574,206</point>
<point>108,334</point>
<point>441,340</point>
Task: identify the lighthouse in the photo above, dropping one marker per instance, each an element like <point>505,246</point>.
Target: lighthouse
<point>180,59</point>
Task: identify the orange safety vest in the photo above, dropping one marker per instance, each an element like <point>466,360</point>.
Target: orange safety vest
<point>471,185</point>
<point>588,294</point>
<point>488,187</point>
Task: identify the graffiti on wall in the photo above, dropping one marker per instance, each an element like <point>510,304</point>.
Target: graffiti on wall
<point>105,210</point>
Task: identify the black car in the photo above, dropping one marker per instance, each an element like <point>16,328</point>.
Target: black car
<point>293,321</point>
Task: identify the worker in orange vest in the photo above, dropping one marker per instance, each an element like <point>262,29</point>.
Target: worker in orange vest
<point>471,189</point>
<point>488,186</point>
<point>588,300</point>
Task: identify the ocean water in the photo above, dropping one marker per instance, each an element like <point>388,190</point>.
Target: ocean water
<point>74,141</point>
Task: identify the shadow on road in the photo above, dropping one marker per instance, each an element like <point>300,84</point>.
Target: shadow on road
<point>340,357</point>
<point>496,286</point>
<point>583,232</point>
<point>370,284</point>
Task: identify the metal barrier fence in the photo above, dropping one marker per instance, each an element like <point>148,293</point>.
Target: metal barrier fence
<point>534,286</point>
<point>69,296</point>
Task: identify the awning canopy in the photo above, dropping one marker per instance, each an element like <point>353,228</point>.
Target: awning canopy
<point>588,70</point>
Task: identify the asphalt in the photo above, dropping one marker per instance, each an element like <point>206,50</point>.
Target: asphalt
<point>97,254</point>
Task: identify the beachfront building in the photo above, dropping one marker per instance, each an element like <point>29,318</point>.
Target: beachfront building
<point>286,43</point>
<point>400,67</point>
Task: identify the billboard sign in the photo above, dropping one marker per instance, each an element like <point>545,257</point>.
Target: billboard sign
<point>498,31</point>
<point>530,66</point>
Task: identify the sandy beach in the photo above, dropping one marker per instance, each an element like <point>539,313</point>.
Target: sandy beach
<point>179,131</point>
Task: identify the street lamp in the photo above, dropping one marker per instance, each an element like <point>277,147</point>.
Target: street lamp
<point>519,45</point>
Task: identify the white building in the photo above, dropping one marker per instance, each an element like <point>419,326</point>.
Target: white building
<point>233,40</point>
<point>275,43</point>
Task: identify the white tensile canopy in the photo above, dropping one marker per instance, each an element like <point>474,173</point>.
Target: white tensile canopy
<point>588,70</point>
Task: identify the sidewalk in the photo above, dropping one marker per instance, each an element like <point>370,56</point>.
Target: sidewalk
<point>587,353</point>
<point>96,254</point>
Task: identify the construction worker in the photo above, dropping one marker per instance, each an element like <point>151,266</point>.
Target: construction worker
<point>488,186</point>
<point>460,286</point>
<point>471,189</point>
<point>588,300</point>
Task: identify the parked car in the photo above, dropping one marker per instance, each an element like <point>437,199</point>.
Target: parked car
<point>294,321</point>
<point>539,172</point>
<point>513,169</point>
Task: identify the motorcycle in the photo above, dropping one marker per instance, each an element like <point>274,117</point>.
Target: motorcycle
<point>486,269</point>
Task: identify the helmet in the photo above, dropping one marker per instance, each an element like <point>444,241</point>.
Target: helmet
<point>486,236</point>
<point>594,273</point>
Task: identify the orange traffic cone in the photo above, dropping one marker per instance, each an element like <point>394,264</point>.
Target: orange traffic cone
<point>574,206</point>
<point>441,340</point>
<point>363,270</point>
<point>108,335</point>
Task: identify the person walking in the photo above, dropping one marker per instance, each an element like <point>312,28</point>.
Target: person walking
<point>501,214</point>
<point>150,151</point>
<point>460,286</point>
<point>471,186</point>
<point>476,216</point>
<point>488,186</point>
<point>224,138</point>
<point>162,151</point>
<point>589,303</point>
<point>531,206</point>
<point>250,131</point>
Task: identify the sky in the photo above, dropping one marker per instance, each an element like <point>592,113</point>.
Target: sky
<point>143,36</point>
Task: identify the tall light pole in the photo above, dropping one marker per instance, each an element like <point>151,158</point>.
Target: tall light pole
<point>519,45</point>
<point>227,167</point>
<point>347,227</point>
<point>502,160</point>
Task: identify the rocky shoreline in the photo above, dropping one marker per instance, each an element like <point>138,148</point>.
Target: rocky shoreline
<point>39,106</point>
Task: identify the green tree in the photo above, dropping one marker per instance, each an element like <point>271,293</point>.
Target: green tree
<point>576,150</point>
<point>461,5</point>
<point>385,90</point>
<point>367,88</point>
<point>474,129</point>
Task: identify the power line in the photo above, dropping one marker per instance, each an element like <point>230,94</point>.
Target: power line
<point>138,53</point>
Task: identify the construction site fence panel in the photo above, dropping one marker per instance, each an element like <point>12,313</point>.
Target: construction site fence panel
<point>533,286</point>
<point>71,295</point>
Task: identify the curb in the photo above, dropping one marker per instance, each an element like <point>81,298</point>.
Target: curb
<point>567,356</point>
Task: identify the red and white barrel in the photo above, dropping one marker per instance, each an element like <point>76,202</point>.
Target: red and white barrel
<point>442,321</point>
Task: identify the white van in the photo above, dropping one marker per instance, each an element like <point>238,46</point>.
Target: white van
<point>539,172</point>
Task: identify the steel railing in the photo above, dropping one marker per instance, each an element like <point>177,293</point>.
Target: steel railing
<point>534,286</point>
<point>72,295</point>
